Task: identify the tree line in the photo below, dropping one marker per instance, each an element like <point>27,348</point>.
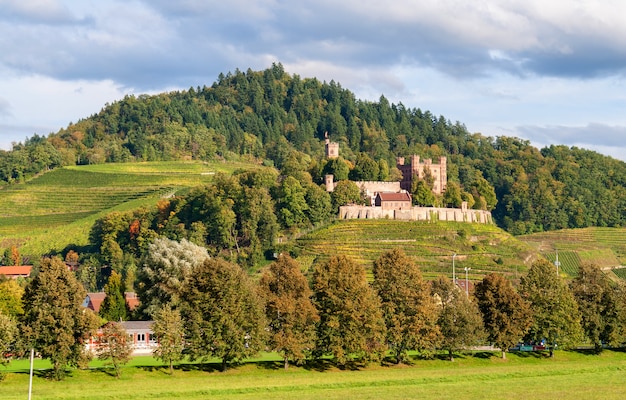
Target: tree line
<point>205,307</point>
<point>279,119</point>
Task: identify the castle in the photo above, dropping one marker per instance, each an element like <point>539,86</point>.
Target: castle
<point>438,172</point>
<point>393,199</point>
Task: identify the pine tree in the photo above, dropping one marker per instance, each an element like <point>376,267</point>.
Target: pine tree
<point>351,323</point>
<point>506,316</point>
<point>114,307</point>
<point>223,313</point>
<point>408,308</point>
<point>54,322</point>
<point>290,312</point>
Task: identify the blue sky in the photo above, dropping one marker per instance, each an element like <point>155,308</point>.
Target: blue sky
<point>552,72</point>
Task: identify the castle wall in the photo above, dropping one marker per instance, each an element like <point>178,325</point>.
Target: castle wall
<point>372,187</point>
<point>417,214</point>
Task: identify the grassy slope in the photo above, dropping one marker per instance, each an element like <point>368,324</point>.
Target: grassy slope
<point>483,248</point>
<point>58,208</point>
<point>570,375</point>
<point>605,247</point>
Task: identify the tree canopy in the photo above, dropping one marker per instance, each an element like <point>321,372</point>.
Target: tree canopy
<point>223,313</point>
<point>408,308</point>
<point>54,322</point>
<point>351,322</point>
<point>290,312</point>
<point>506,316</point>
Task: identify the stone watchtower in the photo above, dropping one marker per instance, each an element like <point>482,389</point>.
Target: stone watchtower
<point>332,148</point>
<point>439,172</point>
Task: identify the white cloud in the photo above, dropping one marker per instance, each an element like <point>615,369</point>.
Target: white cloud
<point>494,65</point>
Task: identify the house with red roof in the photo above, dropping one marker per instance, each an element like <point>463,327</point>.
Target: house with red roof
<point>393,201</point>
<point>16,271</point>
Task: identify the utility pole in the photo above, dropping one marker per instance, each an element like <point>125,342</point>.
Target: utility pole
<point>466,281</point>
<point>453,273</point>
<point>557,264</point>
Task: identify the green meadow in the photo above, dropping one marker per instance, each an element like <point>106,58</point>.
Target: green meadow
<point>481,375</point>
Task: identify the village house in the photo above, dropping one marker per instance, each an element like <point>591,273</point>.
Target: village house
<point>16,271</point>
<point>94,300</point>
<point>393,201</point>
<point>139,333</point>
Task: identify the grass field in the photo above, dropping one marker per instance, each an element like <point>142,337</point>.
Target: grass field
<point>570,375</point>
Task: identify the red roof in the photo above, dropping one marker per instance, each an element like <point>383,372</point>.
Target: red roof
<point>15,271</point>
<point>95,300</point>
<point>131,300</point>
<point>389,196</point>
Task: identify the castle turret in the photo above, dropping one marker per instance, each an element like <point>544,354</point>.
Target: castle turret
<point>329,180</point>
<point>332,148</point>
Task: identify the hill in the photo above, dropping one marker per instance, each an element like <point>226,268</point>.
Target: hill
<point>605,247</point>
<point>483,248</point>
<point>59,207</point>
<point>280,120</point>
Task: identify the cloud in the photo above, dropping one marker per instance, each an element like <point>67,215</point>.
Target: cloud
<point>603,138</point>
<point>591,134</point>
<point>159,43</point>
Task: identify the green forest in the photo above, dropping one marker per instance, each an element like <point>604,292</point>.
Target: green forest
<point>279,120</point>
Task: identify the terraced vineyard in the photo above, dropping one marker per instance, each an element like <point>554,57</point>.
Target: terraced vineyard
<point>483,248</point>
<point>605,247</point>
<point>59,207</point>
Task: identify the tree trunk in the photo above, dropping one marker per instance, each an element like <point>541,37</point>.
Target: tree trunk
<point>286,363</point>
<point>171,368</point>
<point>451,354</point>
<point>224,364</point>
<point>503,354</point>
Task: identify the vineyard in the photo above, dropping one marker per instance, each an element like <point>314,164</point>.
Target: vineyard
<point>605,247</point>
<point>483,248</point>
<point>58,208</point>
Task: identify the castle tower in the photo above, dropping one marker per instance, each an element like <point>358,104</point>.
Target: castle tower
<point>332,148</point>
<point>329,181</point>
<point>439,172</point>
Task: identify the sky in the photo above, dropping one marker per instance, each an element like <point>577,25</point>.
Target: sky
<point>551,72</point>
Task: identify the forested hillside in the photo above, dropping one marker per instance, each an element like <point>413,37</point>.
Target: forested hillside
<point>279,120</point>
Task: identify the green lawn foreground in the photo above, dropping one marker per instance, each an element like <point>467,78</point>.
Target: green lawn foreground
<point>570,375</point>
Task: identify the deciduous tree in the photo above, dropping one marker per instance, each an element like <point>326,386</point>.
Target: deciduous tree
<point>162,272</point>
<point>223,313</point>
<point>169,329</point>
<point>290,312</point>
<point>596,298</point>
<point>114,345</point>
<point>346,192</point>
<point>11,298</point>
<point>506,316</point>
<point>556,317</point>
<point>54,322</point>
<point>459,319</point>
<point>408,308</point>
<point>351,322</point>
<point>8,335</point>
